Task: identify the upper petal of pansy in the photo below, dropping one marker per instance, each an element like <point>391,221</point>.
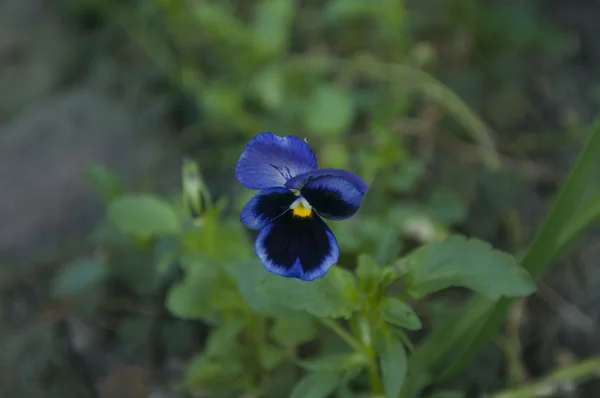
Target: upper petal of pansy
<point>266,206</point>
<point>297,247</point>
<point>269,161</point>
<point>335,194</point>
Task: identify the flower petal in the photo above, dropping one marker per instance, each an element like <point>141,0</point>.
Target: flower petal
<point>269,161</point>
<point>335,194</point>
<point>297,247</point>
<point>266,206</point>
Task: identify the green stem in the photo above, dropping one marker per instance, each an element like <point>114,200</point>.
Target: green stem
<point>367,341</point>
<point>374,379</point>
<point>344,335</point>
<point>368,352</point>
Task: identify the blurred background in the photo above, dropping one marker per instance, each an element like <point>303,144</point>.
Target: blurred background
<point>462,115</point>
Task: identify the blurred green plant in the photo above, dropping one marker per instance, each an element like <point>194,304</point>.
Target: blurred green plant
<point>261,320</point>
<point>354,78</point>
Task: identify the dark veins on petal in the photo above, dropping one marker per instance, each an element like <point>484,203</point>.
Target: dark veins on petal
<point>294,237</point>
<point>283,170</point>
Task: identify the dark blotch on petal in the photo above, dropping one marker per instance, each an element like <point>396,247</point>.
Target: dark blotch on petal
<point>296,247</point>
<point>336,196</point>
<point>266,206</point>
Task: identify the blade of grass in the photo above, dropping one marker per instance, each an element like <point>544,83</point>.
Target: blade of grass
<point>551,384</point>
<point>447,351</point>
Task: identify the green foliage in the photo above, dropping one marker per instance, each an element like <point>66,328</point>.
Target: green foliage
<point>469,263</point>
<point>108,184</point>
<point>316,385</point>
<point>144,216</point>
<point>78,277</point>
<point>301,68</point>
<point>261,320</point>
<point>400,314</point>
<point>333,296</point>
<point>329,111</point>
<point>393,363</point>
<point>447,351</point>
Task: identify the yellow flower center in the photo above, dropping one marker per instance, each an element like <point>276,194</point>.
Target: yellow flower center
<point>301,208</point>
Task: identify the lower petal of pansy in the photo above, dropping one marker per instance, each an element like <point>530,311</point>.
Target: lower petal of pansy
<point>269,161</point>
<point>297,247</point>
<point>334,194</point>
<point>266,206</point>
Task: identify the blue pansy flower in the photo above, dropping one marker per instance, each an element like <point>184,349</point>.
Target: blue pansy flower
<point>294,241</point>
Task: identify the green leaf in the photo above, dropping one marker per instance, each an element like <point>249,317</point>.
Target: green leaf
<point>191,298</point>
<point>369,274</point>
<point>469,263</point>
<point>290,332</point>
<point>334,295</point>
<point>222,340</point>
<point>78,277</point>
<point>269,86</point>
<point>344,9</point>
<point>272,24</point>
<point>269,356</point>
<point>316,385</point>
<point>108,184</point>
<point>216,20</point>
<point>393,362</point>
<point>249,275</point>
<point>334,362</point>
<point>329,112</point>
<point>344,389</point>
<point>144,216</point>
<point>186,301</point>
<point>449,350</point>
<point>400,314</point>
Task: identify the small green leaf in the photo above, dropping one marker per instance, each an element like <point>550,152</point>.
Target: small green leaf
<point>272,23</point>
<point>369,274</point>
<point>108,184</point>
<point>144,216</point>
<point>222,339</point>
<point>222,361</point>
<point>269,86</point>
<point>334,295</point>
<point>78,277</point>
<point>269,356</point>
<point>190,298</point>
<point>410,173</point>
<point>248,276</point>
<point>393,362</point>
<point>400,314</point>
<point>316,385</point>
<point>290,332</point>
<point>187,301</point>
<point>334,362</point>
<point>345,9</point>
<point>344,389</point>
<point>469,263</point>
<point>330,111</point>
<point>221,100</point>
<point>217,21</point>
